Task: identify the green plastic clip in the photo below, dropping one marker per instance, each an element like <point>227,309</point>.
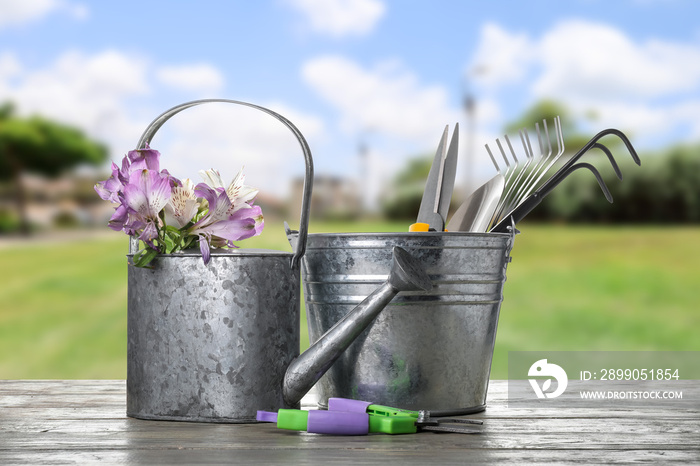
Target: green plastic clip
<point>387,411</point>
<point>392,425</point>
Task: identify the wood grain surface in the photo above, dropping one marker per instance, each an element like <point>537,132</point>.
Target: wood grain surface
<point>83,421</point>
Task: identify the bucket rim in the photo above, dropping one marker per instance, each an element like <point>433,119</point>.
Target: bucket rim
<point>453,234</point>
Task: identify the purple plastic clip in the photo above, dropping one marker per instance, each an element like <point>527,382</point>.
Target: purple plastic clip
<point>266,416</point>
<point>347,405</point>
<point>338,423</point>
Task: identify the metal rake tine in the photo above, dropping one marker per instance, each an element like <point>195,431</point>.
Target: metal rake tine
<point>493,159</point>
<point>509,172</point>
<point>512,152</point>
<point>560,151</point>
<point>537,166</point>
<point>560,135</point>
<point>532,201</point>
<point>505,159</point>
<point>607,152</point>
<point>527,185</point>
<point>529,145</point>
<point>529,156</point>
<point>566,171</point>
<point>594,143</point>
<point>498,169</point>
<point>539,170</point>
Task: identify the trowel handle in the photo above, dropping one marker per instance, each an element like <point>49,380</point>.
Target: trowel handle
<point>155,125</point>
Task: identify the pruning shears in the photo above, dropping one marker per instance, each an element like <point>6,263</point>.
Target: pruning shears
<point>354,417</point>
<point>437,195</point>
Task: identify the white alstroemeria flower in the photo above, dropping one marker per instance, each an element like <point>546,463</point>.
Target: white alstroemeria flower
<point>183,205</point>
<point>238,193</point>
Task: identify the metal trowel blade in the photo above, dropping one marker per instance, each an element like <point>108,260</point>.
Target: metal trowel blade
<point>475,213</point>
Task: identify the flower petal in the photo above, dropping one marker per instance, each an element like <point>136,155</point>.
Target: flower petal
<point>233,230</point>
<point>147,192</point>
<point>208,193</point>
<point>149,233</point>
<point>135,198</point>
<point>109,189</point>
<point>204,249</point>
<point>159,191</point>
<point>119,218</point>
<point>212,178</point>
<point>144,159</point>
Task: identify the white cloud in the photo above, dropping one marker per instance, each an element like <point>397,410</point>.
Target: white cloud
<point>10,67</point>
<point>644,86</point>
<point>110,96</point>
<point>501,57</point>
<point>197,77</point>
<point>386,99</point>
<point>400,116</point>
<point>18,12</point>
<point>91,92</point>
<point>340,18</point>
<point>595,60</point>
<point>226,137</point>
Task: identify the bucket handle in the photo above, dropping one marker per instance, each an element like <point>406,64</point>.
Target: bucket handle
<point>155,125</point>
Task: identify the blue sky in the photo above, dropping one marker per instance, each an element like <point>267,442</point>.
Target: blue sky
<point>391,73</point>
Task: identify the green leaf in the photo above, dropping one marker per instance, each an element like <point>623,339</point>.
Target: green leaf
<point>144,257</point>
<point>170,244</point>
<point>189,241</point>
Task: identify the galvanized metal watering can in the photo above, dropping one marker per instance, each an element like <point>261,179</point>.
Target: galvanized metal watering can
<point>217,343</point>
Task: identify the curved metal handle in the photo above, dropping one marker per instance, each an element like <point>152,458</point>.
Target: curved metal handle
<point>156,124</point>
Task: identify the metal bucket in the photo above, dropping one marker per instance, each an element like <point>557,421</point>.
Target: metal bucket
<point>427,350</point>
<point>212,343</point>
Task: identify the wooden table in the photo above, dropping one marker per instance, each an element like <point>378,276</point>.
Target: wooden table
<point>84,422</point>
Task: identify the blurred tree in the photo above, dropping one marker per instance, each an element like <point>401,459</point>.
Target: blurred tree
<point>41,146</point>
<point>548,110</point>
<point>579,197</point>
<point>665,189</point>
<point>403,200</point>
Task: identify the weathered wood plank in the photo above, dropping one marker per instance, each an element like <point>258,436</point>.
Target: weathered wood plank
<point>355,457</point>
<point>84,422</point>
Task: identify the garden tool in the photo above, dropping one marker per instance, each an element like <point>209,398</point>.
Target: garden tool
<point>593,143</point>
<point>525,206</point>
<point>532,201</point>
<point>354,417</point>
<point>405,275</point>
<point>437,195</point>
<point>518,190</point>
<point>476,211</point>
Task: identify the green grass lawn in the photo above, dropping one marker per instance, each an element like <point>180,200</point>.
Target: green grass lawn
<point>63,304</point>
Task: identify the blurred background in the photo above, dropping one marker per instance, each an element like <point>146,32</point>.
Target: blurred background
<point>371,84</point>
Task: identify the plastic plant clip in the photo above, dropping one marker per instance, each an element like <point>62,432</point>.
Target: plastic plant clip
<point>318,422</point>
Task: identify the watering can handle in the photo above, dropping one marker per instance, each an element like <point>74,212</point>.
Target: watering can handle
<point>155,125</point>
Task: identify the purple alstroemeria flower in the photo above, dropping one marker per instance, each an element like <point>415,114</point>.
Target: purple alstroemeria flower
<point>110,188</point>
<point>144,159</point>
<point>220,227</point>
<point>149,198</point>
<point>145,195</point>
